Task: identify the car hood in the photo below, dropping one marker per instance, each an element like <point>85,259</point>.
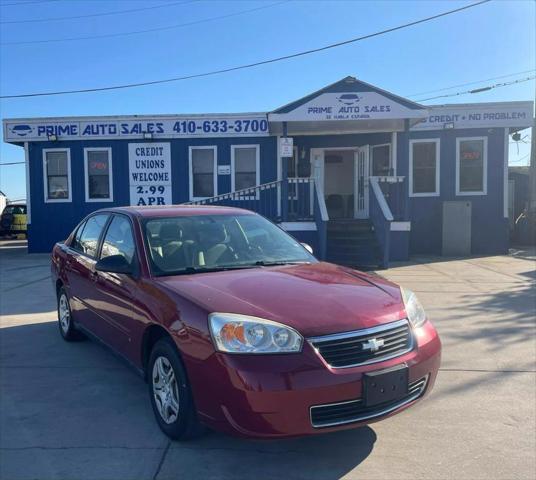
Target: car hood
<point>315,299</point>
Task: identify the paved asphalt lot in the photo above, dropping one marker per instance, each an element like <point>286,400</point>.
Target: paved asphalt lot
<point>74,411</point>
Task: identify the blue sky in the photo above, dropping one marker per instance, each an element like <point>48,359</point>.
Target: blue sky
<point>487,41</point>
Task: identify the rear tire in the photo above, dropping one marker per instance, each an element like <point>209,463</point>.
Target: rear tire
<point>170,393</point>
<point>65,318</point>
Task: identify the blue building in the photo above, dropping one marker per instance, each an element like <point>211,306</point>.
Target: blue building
<point>361,174</point>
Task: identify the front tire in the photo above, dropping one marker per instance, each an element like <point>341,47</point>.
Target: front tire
<point>65,318</point>
<point>170,393</point>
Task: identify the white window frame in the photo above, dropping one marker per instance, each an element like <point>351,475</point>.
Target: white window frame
<point>110,174</point>
<point>436,192</point>
<point>372,147</point>
<point>191,148</point>
<point>45,176</point>
<point>484,166</point>
<point>257,168</point>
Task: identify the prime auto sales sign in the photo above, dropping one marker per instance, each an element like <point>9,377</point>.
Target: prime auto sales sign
<point>348,106</point>
<point>149,171</point>
<point>116,128</point>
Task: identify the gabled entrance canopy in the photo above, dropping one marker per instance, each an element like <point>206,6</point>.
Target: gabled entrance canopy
<point>348,105</point>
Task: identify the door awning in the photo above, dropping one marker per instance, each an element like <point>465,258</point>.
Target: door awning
<point>348,105</point>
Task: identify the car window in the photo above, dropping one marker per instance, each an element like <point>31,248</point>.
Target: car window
<point>119,239</point>
<point>186,243</point>
<point>75,243</point>
<point>8,210</point>
<point>89,239</point>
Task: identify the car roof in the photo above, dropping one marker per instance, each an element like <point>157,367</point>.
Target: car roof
<point>178,211</point>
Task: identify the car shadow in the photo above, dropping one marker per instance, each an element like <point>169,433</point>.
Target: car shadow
<point>109,409</point>
<point>327,456</point>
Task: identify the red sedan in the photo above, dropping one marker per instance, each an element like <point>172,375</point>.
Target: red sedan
<point>236,326</point>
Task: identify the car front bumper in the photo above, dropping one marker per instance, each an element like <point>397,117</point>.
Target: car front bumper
<point>273,395</point>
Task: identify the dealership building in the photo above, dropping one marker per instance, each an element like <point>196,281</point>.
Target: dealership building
<point>361,174</point>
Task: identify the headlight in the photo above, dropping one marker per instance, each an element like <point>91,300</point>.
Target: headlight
<point>236,333</point>
<point>414,309</point>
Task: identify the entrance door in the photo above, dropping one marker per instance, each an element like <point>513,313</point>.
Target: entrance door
<point>361,182</point>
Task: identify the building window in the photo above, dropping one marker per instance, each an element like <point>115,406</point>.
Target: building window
<point>244,167</point>
<point>471,166</point>
<point>203,178</point>
<point>424,168</point>
<point>57,174</point>
<point>98,174</point>
<point>381,160</point>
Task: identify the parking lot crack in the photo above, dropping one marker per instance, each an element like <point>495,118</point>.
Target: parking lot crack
<point>26,284</point>
<point>162,458</point>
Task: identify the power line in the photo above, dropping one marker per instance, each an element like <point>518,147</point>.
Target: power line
<point>482,89</point>
<point>157,29</point>
<point>27,3</point>
<point>470,83</point>
<point>11,163</point>
<point>518,160</point>
<point>250,65</point>
<point>116,12</point>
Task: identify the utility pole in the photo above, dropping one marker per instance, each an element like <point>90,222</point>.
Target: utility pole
<point>531,214</point>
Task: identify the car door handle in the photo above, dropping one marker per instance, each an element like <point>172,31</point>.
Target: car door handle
<point>94,276</point>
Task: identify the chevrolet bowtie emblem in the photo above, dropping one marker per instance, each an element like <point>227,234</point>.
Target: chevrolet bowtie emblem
<point>373,345</point>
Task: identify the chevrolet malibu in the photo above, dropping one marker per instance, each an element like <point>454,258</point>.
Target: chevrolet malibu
<point>236,326</point>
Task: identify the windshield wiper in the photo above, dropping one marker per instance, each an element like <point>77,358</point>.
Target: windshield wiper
<point>262,263</point>
<point>223,268</point>
<point>192,270</point>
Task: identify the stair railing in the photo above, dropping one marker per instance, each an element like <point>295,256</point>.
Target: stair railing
<point>381,217</point>
<point>289,200</point>
<point>395,195</point>
<point>262,199</point>
<point>300,192</point>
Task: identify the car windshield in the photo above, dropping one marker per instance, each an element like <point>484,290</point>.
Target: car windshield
<point>15,210</point>
<point>194,244</point>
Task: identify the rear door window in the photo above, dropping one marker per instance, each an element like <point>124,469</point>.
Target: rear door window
<point>88,242</point>
<point>75,243</point>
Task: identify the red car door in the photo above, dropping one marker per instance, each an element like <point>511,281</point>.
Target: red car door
<point>117,294</point>
<point>80,269</point>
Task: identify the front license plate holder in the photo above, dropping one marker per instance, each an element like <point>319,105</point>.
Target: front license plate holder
<point>386,386</point>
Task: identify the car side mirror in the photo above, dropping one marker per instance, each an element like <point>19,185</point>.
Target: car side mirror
<point>114,264</point>
<point>307,247</point>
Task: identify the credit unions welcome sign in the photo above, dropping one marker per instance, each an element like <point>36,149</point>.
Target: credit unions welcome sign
<point>149,166</point>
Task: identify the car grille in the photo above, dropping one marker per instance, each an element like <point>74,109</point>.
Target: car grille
<point>351,411</point>
<point>351,349</point>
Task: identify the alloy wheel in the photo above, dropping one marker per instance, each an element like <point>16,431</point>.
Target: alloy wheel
<point>165,390</point>
<point>64,313</point>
